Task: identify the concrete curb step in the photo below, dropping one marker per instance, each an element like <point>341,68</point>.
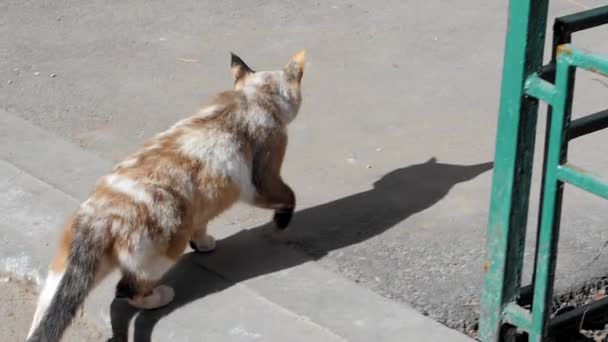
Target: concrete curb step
<point>250,289</point>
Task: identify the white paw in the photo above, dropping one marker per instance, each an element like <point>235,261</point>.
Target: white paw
<point>160,296</point>
<point>166,294</point>
<point>207,244</point>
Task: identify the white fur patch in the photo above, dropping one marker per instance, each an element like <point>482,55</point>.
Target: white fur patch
<point>126,163</point>
<point>134,158</point>
<point>289,109</point>
<point>207,111</point>
<point>128,187</point>
<point>258,79</point>
<point>144,260</point>
<point>203,241</point>
<point>258,118</point>
<point>252,85</point>
<point>180,180</point>
<point>221,155</point>
<point>50,287</point>
<point>87,208</point>
<point>160,296</point>
<point>166,214</point>
<point>283,99</point>
<point>153,146</point>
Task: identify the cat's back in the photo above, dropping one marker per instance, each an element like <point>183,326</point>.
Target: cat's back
<point>211,147</point>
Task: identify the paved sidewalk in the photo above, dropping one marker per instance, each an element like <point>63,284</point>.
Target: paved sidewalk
<point>251,289</point>
<point>390,155</point>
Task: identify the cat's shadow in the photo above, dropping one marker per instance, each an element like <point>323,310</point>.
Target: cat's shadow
<point>316,231</point>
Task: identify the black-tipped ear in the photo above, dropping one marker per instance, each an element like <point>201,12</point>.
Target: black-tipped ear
<point>238,67</point>
<point>433,160</point>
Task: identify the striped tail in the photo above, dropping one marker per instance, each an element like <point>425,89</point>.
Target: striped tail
<point>75,284</point>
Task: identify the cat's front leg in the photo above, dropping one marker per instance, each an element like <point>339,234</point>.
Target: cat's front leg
<point>275,194</point>
<point>270,190</point>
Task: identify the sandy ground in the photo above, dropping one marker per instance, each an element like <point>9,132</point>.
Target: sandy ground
<point>18,304</point>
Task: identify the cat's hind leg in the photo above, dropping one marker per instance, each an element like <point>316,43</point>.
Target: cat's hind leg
<point>201,241</point>
<point>141,288</point>
<point>142,269</point>
<point>144,294</point>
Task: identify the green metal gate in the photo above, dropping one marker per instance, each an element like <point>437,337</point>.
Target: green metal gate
<point>506,304</point>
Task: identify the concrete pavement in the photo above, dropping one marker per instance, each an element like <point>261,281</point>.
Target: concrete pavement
<point>251,288</point>
<point>388,87</point>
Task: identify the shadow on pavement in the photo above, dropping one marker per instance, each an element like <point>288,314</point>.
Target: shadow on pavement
<point>315,230</point>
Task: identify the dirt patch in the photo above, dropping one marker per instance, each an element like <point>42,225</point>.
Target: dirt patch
<point>17,309</point>
<point>591,330</point>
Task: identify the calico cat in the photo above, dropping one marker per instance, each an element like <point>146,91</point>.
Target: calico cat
<point>141,216</point>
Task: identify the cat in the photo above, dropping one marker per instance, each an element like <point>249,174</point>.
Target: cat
<point>141,216</point>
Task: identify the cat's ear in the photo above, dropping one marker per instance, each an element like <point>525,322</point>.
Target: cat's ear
<point>433,160</point>
<point>239,68</point>
<point>295,67</point>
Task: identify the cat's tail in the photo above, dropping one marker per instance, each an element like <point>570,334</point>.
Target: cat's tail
<point>83,262</point>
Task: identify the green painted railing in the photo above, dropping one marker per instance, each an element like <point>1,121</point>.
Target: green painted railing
<point>506,305</point>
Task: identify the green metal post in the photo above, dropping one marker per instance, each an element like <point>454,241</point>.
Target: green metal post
<point>525,81</point>
<point>548,235</point>
<point>513,163</point>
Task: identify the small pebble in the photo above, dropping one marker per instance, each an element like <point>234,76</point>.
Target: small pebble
<point>9,81</point>
<point>16,69</point>
<point>36,73</point>
<point>52,75</point>
<point>5,279</point>
<point>368,166</point>
<point>351,160</point>
<point>379,149</point>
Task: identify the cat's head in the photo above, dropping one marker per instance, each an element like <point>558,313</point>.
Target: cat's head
<point>283,86</point>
